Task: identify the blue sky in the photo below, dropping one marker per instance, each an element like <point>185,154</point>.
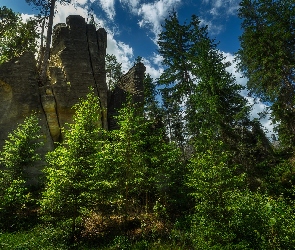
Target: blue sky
<point>133,27</point>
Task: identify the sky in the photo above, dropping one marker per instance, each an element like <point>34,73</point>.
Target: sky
<point>133,27</point>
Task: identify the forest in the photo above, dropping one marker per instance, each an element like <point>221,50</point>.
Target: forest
<point>187,169</point>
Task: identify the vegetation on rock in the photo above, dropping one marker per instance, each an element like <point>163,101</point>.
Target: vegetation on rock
<point>189,171</point>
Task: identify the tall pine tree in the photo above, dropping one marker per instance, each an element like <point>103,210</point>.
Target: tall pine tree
<point>267,59</point>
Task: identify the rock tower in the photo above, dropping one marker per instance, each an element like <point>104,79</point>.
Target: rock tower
<point>77,63</point>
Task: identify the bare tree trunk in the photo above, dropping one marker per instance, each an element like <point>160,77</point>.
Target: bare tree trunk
<point>41,50</point>
<point>43,75</point>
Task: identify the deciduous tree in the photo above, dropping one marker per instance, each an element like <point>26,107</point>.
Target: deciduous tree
<point>72,189</point>
<point>16,36</point>
<point>18,156</point>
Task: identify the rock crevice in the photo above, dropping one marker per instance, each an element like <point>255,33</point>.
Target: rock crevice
<point>77,63</point>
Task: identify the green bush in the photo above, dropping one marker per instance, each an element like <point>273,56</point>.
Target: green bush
<point>229,216</point>
<point>18,154</point>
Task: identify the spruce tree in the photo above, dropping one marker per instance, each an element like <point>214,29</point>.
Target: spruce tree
<point>267,59</point>
<point>197,81</point>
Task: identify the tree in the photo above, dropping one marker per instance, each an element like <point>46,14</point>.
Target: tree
<point>173,118</point>
<point>198,84</point>
<point>267,59</point>
<point>16,36</point>
<point>227,214</point>
<point>197,80</point>
<point>147,168</point>
<point>113,71</point>
<point>128,156</point>
<point>152,108</point>
<point>19,151</point>
<point>47,6</point>
<point>72,188</point>
<point>19,155</point>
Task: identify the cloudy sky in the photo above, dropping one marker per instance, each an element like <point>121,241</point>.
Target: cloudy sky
<point>133,27</point>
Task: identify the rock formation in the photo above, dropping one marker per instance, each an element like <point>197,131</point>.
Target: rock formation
<point>77,63</point>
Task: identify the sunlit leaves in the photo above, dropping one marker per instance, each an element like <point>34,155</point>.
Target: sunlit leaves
<point>72,165</point>
<point>113,71</point>
<point>18,156</point>
<point>16,36</point>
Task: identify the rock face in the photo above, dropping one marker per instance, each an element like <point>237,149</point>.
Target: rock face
<point>19,95</point>
<point>130,83</point>
<point>77,63</point>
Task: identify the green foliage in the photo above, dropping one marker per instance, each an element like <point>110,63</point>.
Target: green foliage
<point>129,156</point>
<point>16,36</point>
<point>202,102</point>
<point>281,178</point>
<point>173,118</point>
<point>149,168</point>
<point>40,237</point>
<point>71,189</point>
<point>198,86</point>
<point>17,157</point>
<point>152,109</point>
<point>228,215</point>
<point>113,71</point>
<point>215,182</point>
<point>19,151</point>
<point>267,58</point>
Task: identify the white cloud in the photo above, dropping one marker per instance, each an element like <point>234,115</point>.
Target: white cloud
<point>221,7</point>
<point>214,29</point>
<point>152,14</point>
<point>109,8</point>
<point>26,17</point>
<point>154,72</point>
<point>132,5</point>
<point>122,51</point>
<point>81,2</point>
<point>157,59</point>
<point>63,11</point>
<point>233,69</point>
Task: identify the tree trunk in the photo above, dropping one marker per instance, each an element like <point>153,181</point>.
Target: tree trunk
<point>41,50</point>
<point>43,75</point>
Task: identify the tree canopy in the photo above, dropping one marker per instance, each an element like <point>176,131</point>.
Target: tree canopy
<point>267,58</point>
<point>16,35</point>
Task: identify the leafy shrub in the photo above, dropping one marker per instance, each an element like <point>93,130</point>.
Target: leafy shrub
<point>18,154</point>
<point>229,216</point>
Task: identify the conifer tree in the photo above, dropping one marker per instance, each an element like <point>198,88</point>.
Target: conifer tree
<point>197,80</point>
<point>113,71</point>
<point>267,59</point>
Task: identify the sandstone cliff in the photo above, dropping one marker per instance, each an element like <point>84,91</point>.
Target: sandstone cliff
<point>77,63</point>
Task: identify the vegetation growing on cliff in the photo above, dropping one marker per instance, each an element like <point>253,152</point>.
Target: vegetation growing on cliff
<point>191,171</point>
